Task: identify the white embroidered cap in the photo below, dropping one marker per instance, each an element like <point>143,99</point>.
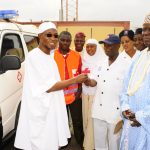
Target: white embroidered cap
<point>45,26</point>
<point>147,19</point>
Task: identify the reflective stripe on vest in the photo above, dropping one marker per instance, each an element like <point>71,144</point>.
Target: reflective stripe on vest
<point>71,89</point>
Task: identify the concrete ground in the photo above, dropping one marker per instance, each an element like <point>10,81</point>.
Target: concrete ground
<point>72,146</point>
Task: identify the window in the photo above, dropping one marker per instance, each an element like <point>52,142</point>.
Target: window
<point>11,45</point>
<point>31,42</point>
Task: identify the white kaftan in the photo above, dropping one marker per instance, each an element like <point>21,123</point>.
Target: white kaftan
<point>43,123</point>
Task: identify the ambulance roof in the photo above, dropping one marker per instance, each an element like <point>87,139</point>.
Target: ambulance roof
<point>9,25</point>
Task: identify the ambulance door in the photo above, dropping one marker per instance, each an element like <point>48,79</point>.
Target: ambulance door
<point>12,80</point>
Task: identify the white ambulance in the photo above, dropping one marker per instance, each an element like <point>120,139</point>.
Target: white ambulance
<point>15,42</point>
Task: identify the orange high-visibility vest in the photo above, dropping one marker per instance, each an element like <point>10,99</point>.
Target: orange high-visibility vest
<point>73,61</point>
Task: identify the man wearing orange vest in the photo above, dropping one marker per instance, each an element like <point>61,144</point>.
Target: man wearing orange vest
<point>69,66</point>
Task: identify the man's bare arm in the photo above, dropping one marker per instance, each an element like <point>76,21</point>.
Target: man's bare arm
<point>63,84</point>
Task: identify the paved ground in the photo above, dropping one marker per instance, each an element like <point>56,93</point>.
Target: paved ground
<point>72,146</point>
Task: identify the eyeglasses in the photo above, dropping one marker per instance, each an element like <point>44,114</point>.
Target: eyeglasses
<point>49,35</point>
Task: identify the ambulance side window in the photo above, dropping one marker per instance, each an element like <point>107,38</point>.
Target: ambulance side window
<point>11,45</point>
<point>31,42</point>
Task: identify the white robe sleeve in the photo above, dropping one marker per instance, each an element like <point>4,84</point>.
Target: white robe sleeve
<point>143,116</point>
<point>124,98</point>
<point>39,77</point>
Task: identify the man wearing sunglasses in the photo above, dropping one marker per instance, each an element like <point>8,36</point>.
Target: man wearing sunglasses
<point>43,123</point>
<point>50,39</point>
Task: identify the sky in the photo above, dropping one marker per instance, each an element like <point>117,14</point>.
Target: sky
<point>88,10</point>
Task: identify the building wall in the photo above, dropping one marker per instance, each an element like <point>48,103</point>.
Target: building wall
<point>92,29</point>
<point>96,32</point>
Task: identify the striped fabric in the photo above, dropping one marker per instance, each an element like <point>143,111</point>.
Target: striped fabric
<point>147,19</point>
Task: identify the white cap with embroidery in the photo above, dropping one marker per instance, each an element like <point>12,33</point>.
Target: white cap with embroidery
<point>147,19</point>
<point>45,26</point>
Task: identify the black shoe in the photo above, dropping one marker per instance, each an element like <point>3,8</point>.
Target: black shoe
<point>69,140</point>
<point>63,147</point>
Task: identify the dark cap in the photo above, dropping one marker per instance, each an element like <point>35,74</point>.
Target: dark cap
<point>138,31</point>
<point>128,33</point>
<point>80,34</point>
<point>111,39</point>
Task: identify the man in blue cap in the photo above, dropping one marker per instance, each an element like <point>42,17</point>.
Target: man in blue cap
<point>111,47</point>
<point>106,109</point>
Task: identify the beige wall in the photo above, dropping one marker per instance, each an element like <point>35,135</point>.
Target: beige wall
<point>97,32</point>
<point>93,29</point>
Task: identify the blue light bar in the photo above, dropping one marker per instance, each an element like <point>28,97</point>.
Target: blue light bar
<point>8,14</point>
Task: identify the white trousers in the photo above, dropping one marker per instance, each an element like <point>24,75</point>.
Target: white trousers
<point>104,136</point>
<point>87,101</point>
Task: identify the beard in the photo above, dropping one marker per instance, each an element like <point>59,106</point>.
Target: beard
<point>49,48</point>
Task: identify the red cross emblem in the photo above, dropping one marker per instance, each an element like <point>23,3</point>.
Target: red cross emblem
<point>86,70</point>
<point>19,76</point>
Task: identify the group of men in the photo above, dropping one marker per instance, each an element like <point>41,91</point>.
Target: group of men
<point>53,81</point>
<point>43,110</point>
<point>131,88</point>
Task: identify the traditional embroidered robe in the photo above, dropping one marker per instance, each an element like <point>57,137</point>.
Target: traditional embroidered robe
<point>137,99</point>
<point>43,123</point>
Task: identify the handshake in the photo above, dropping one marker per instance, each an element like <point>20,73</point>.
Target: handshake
<point>128,114</point>
<point>81,78</point>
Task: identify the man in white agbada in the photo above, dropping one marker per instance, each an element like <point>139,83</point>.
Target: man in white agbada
<point>135,99</point>
<point>43,123</point>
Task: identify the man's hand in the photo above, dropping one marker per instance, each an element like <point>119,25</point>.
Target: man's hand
<point>90,82</point>
<point>135,123</point>
<point>128,114</point>
<point>81,78</point>
<point>87,82</point>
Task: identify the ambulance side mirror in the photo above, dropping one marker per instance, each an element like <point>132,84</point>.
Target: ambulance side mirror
<point>9,63</point>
